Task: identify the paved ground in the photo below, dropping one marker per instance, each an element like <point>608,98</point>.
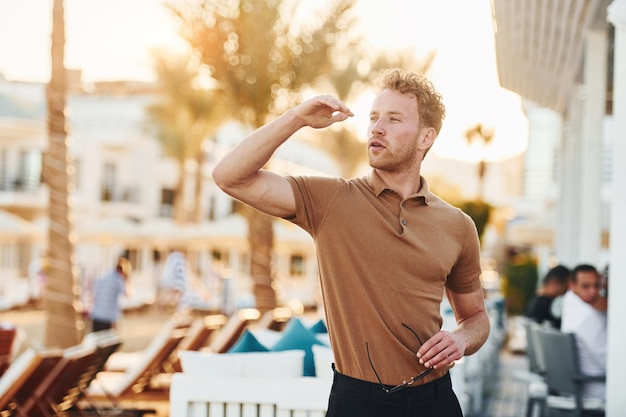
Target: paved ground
<point>507,399</point>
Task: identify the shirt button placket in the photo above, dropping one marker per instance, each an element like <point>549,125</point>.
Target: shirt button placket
<point>402,221</point>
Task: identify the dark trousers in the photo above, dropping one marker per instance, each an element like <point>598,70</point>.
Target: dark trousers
<point>97,325</point>
<point>352,397</point>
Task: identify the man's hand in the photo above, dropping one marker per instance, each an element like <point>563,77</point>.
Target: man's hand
<point>472,330</point>
<point>442,350</point>
<point>322,111</point>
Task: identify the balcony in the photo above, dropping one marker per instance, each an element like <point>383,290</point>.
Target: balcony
<point>24,195</point>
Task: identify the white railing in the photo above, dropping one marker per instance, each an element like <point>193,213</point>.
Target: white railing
<point>204,396</point>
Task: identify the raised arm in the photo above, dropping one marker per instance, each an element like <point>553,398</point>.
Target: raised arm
<point>240,173</point>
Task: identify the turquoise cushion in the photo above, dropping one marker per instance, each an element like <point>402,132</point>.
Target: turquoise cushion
<point>247,343</point>
<point>297,336</point>
<point>319,327</point>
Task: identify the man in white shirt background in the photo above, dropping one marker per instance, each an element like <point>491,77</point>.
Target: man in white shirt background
<point>584,314</point>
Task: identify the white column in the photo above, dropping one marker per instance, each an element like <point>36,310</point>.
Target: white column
<point>589,242</point>
<point>568,207</point>
<point>616,377</point>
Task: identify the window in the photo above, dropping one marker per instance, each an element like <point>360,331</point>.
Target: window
<point>296,265</point>
<point>167,202</point>
<point>108,182</point>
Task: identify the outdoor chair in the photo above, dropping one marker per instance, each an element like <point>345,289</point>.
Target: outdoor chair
<point>57,390</point>
<point>7,339</point>
<point>198,336</point>
<point>275,319</point>
<point>56,386</point>
<point>558,352</point>
<point>122,361</point>
<point>142,386</point>
<point>23,377</point>
<point>233,329</point>
<point>534,376</point>
<point>143,380</point>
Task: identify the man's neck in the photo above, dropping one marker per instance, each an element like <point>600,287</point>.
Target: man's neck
<point>405,183</point>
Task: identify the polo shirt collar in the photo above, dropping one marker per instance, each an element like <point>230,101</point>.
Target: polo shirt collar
<point>378,186</point>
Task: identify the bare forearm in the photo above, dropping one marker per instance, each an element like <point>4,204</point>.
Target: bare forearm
<point>243,162</point>
<point>474,331</point>
<point>240,173</point>
<point>240,168</point>
<point>445,347</point>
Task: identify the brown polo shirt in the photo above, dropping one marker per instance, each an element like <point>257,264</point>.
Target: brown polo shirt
<point>384,261</point>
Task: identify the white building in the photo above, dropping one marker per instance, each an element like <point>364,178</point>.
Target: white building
<point>570,57</point>
<point>123,197</point>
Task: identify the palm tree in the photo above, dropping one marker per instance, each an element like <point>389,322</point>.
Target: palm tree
<point>184,117</point>
<point>63,324</point>
<point>478,209</point>
<point>261,62</point>
<point>482,136</point>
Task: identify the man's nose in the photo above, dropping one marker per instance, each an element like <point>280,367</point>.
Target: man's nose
<point>377,127</point>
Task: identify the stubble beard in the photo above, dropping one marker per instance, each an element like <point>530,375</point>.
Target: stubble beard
<point>390,163</point>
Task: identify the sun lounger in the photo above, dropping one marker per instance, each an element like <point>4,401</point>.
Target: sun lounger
<point>48,398</point>
<point>275,319</point>
<point>23,377</point>
<point>198,336</point>
<point>7,339</point>
<point>56,383</point>
<point>122,361</point>
<point>233,329</point>
<point>141,378</point>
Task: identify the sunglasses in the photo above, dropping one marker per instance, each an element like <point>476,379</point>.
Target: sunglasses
<point>405,383</point>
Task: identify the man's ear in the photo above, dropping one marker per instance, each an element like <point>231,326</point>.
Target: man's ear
<point>426,138</point>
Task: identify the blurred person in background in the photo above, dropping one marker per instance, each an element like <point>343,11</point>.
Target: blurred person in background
<point>541,308</point>
<point>585,317</point>
<point>107,290</point>
<point>173,283</point>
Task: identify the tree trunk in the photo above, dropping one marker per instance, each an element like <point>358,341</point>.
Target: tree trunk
<point>197,198</point>
<point>63,326</point>
<point>180,212</point>
<point>261,239</point>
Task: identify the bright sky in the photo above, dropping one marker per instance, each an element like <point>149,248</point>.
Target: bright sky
<point>111,39</point>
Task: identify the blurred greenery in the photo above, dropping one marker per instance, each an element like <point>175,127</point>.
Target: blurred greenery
<point>479,211</point>
<point>519,281</point>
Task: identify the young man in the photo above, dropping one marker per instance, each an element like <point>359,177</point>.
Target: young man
<point>387,249</point>
<point>583,316</point>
